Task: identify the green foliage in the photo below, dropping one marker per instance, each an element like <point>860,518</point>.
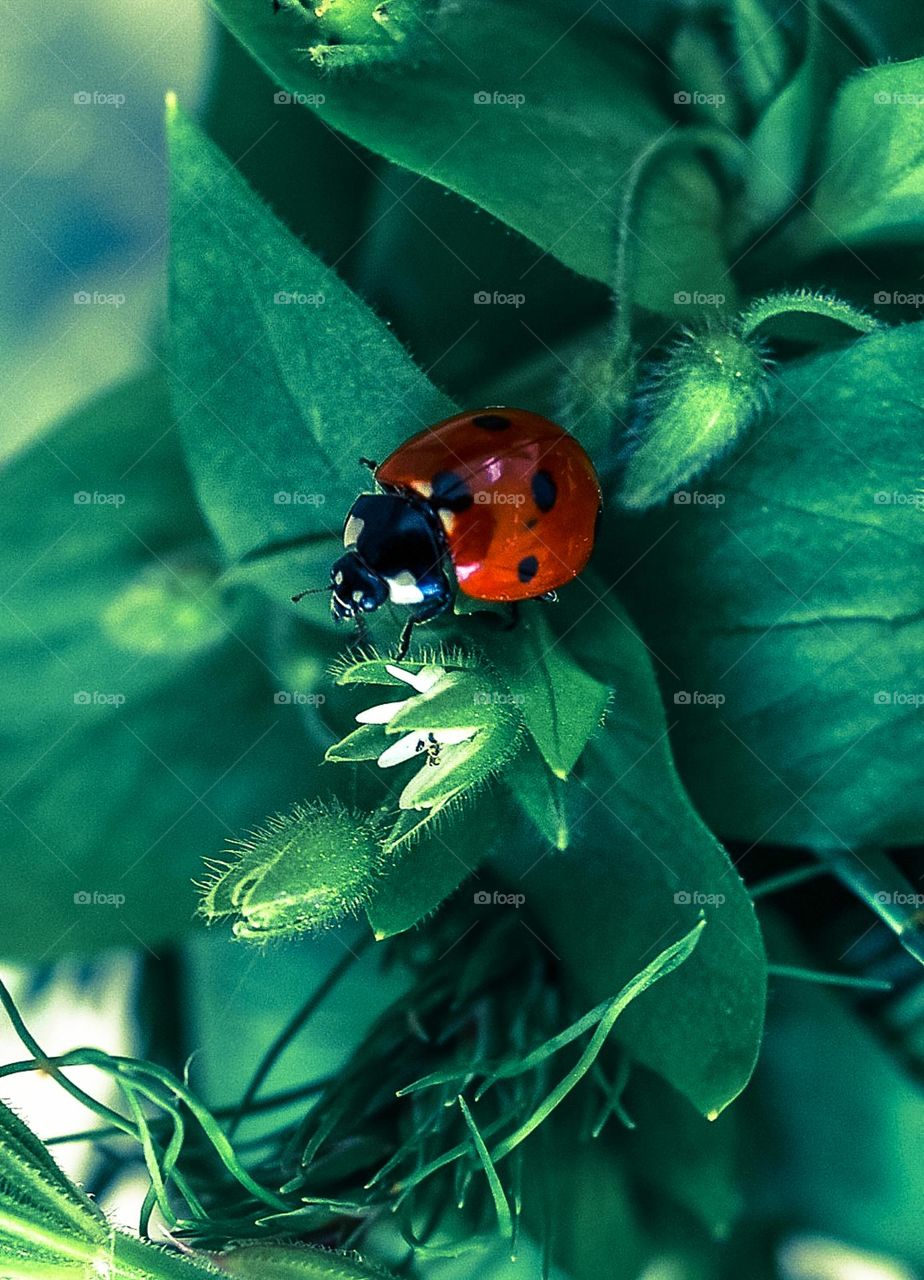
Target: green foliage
<point>639,854</point>
<point>567,988</point>
<point>121,642</point>
<point>462,101</point>
<point>872,185</point>
<point>793,593</point>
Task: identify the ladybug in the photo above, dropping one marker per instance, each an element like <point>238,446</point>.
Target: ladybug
<point>499,503</point>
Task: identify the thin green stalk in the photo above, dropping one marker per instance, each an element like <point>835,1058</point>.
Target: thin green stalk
<point>827,979</point>
<point>290,1030</point>
<point>663,964</point>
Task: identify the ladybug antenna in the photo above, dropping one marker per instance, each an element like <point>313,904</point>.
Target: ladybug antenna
<point>311,591</point>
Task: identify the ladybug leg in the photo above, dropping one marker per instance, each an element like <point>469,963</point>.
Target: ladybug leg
<point>513,616</point>
<point>361,633</point>
<point>548,597</point>
<point>432,608</point>
<point>367,462</point>
<point>405,642</point>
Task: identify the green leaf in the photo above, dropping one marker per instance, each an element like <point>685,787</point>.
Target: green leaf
<point>786,607</point>
<point>462,102</point>
<point>678,1154</point>
<point>276,399</point>
<point>137,740</point>
<point>541,794</point>
<point>426,870</point>
<point>679,265</point>
<point>560,702</point>
<point>872,185</point>
<point>639,868</point>
<point>296,1262</point>
<point>761,50</point>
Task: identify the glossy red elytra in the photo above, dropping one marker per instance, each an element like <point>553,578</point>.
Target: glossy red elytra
<point>506,498</point>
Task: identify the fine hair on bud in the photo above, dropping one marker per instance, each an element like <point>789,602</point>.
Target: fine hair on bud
<point>301,871</point>
<point>690,410</point>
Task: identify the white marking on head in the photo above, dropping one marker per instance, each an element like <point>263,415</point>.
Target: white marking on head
<point>403,588</point>
<point>352,531</point>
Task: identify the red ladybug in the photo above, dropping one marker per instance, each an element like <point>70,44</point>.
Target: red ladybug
<point>506,498</point>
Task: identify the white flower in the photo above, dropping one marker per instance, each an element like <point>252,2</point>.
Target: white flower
<point>411,744</point>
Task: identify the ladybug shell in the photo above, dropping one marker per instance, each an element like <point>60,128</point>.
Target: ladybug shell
<point>517,496</point>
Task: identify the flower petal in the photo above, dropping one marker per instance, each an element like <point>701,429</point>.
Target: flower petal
<point>405,748</point>
<point>421,680</point>
<point>380,714</point>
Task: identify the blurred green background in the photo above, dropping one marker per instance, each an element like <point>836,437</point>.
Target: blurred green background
<point>83,192</point>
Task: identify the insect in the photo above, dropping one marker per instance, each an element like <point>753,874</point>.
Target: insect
<point>501,504</point>
<point>430,747</point>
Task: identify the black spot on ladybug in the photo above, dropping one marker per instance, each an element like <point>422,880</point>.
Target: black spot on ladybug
<point>451,492</point>
<point>527,568</point>
<point>545,490</point>
<point>532,522</point>
<point>491,422</point>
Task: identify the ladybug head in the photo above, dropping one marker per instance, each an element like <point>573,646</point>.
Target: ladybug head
<point>355,588</point>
